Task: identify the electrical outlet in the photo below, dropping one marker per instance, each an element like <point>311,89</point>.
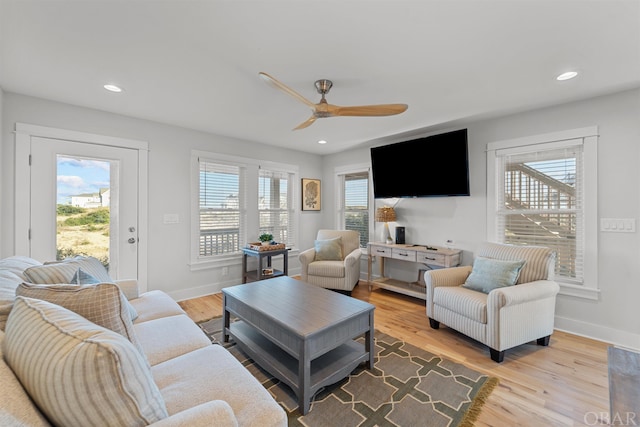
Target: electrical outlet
<point>225,271</point>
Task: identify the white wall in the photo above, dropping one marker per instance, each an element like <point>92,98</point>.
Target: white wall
<point>434,220</point>
<point>429,221</point>
<point>169,167</point>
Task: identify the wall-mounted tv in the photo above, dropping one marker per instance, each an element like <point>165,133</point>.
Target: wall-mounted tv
<point>433,166</point>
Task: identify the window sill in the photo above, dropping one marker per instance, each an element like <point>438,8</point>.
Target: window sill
<point>579,291</point>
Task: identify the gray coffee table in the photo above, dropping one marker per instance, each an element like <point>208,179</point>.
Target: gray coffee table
<point>300,333</point>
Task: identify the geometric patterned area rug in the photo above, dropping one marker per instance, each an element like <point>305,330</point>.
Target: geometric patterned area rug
<point>408,386</point>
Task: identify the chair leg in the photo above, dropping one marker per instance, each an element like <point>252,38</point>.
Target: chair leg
<point>497,356</point>
<point>544,340</point>
<point>434,323</point>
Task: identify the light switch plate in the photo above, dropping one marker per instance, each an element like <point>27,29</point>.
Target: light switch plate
<point>618,225</point>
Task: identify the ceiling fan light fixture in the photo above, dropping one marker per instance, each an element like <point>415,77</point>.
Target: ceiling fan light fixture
<point>567,76</point>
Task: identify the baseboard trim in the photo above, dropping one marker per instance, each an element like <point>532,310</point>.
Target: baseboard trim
<point>598,332</point>
<point>200,291</point>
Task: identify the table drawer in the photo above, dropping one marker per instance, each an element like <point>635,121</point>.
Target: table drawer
<point>403,254</point>
<point>432,259</point>
<point>380,251</point>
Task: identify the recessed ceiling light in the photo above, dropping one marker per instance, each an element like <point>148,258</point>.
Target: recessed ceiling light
<point>566,76</point>
<point>322,141</point>
<point>113,88</point>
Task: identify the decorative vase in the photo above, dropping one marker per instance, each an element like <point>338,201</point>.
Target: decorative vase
<point>266,243</point>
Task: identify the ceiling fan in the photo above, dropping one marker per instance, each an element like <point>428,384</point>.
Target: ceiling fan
<point>324,109</point>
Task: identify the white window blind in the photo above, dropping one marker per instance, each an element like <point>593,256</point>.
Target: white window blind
<point>540,202</point>
<point>275,205</point>
<point>221,208</point>
<point>356,204</point>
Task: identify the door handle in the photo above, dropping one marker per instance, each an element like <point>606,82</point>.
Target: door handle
<point>131,240</point>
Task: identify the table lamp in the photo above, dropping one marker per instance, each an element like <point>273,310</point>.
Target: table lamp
<point>386,214</point>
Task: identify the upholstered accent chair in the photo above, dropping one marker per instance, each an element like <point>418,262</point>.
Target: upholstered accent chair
<point>507,298</point>
<point>334,261</point>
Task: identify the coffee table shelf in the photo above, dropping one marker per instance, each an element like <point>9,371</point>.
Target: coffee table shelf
<point>327,369</point>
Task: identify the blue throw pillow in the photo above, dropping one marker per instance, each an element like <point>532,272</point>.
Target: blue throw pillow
<point>81,277</point>
<point>489,274</point>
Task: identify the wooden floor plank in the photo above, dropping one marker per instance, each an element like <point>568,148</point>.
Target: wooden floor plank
<point>564,384</point>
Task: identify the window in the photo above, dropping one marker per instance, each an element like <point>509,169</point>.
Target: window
<point>236,199</point>
<point>539,199</point>
<point>354,200</point>
<point>220,209</point>
<point>275,205</point>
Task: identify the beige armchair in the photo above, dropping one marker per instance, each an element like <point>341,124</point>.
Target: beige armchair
<point>334,261</point>
<point>503,317</point>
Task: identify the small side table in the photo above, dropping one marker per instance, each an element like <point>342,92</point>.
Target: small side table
<point>261,255</point>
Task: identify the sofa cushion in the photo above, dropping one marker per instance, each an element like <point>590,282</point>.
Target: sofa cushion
<point>154,305</point>
<point>185,336</point>
<point>488,274</point>
<point>539,260</point>
<point>328,250</point>
<point>195,378</point>
<point>11,275</point>
<point>16,407</point>
<point>79,373</point>
<point>102,304</point>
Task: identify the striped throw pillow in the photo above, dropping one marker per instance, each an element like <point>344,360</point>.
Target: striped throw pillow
<point>63,271</point>
<point>79,373</point>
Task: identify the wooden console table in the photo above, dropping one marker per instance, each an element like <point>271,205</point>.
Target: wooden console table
<point>429,255</point>
<point>261,255</point>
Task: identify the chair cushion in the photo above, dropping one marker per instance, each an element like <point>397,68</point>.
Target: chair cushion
<point>102,304</point>
<point>327,269</point>
<point>79,373</point>
<point>328,250</point>
<point>465,302</point>
<point>538,259</point>
<point>489,274</point>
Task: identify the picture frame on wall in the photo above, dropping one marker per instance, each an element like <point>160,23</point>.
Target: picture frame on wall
<point>311,194</point>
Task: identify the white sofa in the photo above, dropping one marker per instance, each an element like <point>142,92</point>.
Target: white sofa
<point>193,382</point>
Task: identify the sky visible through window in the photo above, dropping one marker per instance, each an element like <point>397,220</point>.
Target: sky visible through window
<point>80,176</point>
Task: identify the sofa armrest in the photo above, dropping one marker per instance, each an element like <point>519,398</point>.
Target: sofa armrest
<point>129,288</point>
<point>215,412</point>
<point>523,293</point>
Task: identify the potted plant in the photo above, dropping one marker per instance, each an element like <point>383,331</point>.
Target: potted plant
<point>265,238</point>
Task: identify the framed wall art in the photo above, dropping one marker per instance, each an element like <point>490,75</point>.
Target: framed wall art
<point>310,194</point>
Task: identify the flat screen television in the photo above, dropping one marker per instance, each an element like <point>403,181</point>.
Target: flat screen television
<point>433,166</point>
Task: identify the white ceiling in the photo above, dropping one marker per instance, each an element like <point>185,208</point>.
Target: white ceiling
<point>195,63</point>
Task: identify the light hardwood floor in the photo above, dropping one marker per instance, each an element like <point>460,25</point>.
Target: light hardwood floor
<point>564,384</point>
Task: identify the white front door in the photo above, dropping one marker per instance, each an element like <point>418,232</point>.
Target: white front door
<point>84,201</point>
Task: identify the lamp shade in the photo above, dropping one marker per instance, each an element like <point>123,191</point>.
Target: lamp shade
<point>385,214</point>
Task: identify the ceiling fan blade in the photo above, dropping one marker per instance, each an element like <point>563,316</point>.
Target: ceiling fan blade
<point>306,123</point>
<point>267,78</point>
<point>368,110</point>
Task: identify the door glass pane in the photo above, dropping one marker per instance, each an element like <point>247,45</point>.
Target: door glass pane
<point>83,208</point>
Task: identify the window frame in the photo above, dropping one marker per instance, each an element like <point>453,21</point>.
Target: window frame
<point>589,136</point>
<point>251,222</point>
<point>339,173</point>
